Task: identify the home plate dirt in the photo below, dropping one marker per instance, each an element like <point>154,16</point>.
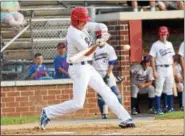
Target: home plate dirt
<point>143,127</point>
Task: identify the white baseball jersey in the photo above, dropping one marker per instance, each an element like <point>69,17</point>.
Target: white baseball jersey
<point>181,49</point>
<point>79,40</point>
<point>102,56</point>
<point>141,75</point>
<point>163,52</point>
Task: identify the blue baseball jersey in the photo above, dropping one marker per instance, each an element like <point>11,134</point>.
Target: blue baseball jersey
<point>40,71</point>
<point>60,62</point>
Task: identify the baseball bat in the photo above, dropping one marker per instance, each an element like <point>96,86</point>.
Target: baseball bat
<point>83,53</point>
<point>174,89</point>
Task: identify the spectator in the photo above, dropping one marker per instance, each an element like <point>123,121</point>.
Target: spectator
<point>60,64</point>
<point>141,83</point>
<point>10,14</point>
<point>136,3</point>
<point>170,5</point>
<point>179,81</point>
<point>38,71</point>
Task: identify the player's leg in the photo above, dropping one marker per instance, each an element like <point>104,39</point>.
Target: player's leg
<point>97,83</point>
<point>80,77</point>
<point>134,99</point>
<point>151,98</point>
<point>168,87</point>
<point>101,105</point>
<point>159,88</point>
<point>164,99</point>
<point>180,95</point>
<point>112,84</point>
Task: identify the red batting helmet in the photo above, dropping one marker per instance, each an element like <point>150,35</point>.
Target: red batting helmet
<point>163,30</point>
<point>79,14</point>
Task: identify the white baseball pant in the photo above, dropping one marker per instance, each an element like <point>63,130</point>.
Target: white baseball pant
<point>164,81</point>
<point>82,76</point>
<point>150,90</point>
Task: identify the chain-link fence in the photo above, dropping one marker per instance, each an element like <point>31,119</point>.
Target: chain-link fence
<point>46,34</point>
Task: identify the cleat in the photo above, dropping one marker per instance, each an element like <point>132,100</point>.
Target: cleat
<point>127,124</point>
<point>152,111</point>
<point>171,110</point>
<point>165,110</point>
<point>44,120</point>
<point>104,116</point>
<point>159,112</point>
<point>134,112</point>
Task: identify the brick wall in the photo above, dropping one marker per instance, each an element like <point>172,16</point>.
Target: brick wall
<point>119,31</point>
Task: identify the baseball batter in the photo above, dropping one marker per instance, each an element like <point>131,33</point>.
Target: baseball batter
<point>163,69</point>
<point>141,83</point>
<point>83,74</point>
<point>104,60</point>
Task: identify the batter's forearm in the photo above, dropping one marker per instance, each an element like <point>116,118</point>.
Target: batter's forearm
<point>91,50</point>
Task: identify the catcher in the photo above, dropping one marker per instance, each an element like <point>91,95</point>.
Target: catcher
<point>104,60</point>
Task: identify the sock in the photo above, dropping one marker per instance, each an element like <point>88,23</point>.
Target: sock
<point>116,91</point>
<point>180,99</point>
<point>151,103</point>
<point>170,101</point>
<point>165,103</point>
<point>135,9</point>
<point>152,9</point>
<point>158,102</point>
<point>101,104</point>
<point>133,102</point>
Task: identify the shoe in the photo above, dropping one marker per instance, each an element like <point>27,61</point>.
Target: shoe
<point>152,111</point>
<point>159,112</point>
<point>127,124</point>
<point>171,110</point>
<point>134,112</point>
<point>182,108</point>
<point>104,116</point>
<point>44,120</point>
<point>165,110</point>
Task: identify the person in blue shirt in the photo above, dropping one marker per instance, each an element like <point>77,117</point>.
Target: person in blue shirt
<point>60,64</point>
<point>38,71</point>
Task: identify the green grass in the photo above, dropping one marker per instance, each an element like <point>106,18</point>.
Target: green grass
<point>172,115</point>
<point>19,120</point>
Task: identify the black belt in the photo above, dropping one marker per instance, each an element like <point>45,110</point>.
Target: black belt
<point>163,65</point>
<point>82,63</point>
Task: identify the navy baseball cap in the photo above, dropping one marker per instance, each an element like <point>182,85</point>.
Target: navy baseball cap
<point>146,59</point>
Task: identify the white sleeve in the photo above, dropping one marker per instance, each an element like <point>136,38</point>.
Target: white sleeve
<point>112,54</point>
<point>181,49</point>
<point>79,43</point>
<point>153,51</point>
<point>134,68</point>
<point>92,26</point>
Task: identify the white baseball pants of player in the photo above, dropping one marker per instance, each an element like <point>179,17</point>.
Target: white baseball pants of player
<point>150,90</point>
<point>82,76</point>
<point>164,81</point>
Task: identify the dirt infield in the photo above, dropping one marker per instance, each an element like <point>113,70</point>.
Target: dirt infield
<point>144,127</point>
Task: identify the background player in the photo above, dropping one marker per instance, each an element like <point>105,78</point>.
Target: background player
<point>141,82</point>
<point>179,81</point>
<point>163,69</point>
<point>104,59</point>
<point>83,74</point>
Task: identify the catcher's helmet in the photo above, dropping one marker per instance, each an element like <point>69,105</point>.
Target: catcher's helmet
<point>79,14</point>
<point>163,30</point>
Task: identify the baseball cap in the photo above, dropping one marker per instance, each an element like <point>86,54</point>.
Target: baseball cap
<point>61,45</point>
<point>146,59</point>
